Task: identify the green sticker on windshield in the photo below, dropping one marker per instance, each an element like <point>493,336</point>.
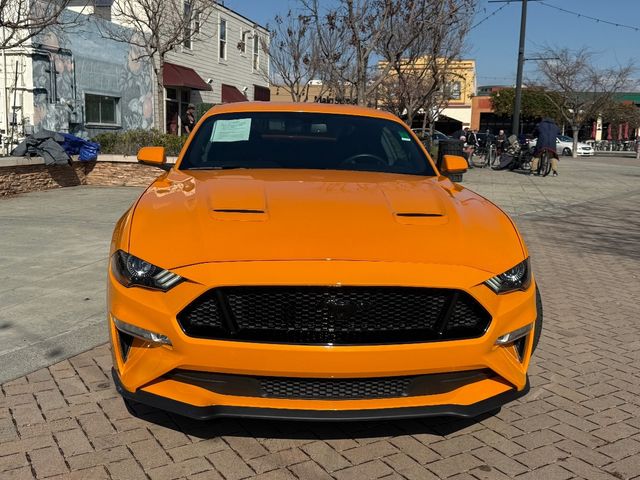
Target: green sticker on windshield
<point>231,130</point>
<point>405,136</point>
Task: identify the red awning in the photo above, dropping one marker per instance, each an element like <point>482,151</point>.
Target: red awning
<point>231,94</point>
<point>179,76</point>
<point>262,94</point>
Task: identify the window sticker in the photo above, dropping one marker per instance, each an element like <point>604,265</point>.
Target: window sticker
<point>231,130</point>
<point>405,136</point>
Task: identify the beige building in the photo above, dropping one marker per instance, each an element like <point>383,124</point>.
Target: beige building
<point>315,92</point>
<point>461,88</point>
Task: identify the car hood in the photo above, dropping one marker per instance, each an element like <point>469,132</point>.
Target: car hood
<point>191,217</point>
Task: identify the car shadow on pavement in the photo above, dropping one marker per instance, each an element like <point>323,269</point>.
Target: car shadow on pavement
<point>610,228</point>
<point>304,430</point>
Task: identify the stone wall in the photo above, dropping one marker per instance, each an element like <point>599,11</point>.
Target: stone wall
<point>16,179</point>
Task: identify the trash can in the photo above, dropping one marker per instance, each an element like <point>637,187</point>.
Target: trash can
<point>450,146</point>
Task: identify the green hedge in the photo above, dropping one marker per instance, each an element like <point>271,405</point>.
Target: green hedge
<point>129,142</point>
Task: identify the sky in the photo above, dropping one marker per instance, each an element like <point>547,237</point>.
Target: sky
<point>494,42</point>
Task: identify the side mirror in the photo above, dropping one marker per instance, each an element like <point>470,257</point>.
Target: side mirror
<point>453,164</point>
<point>153,156</point>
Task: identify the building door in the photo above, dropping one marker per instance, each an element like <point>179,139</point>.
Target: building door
<point>177,101</point>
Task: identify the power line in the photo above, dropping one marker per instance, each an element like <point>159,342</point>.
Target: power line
<point>597,20</point>
<point>490,15</point>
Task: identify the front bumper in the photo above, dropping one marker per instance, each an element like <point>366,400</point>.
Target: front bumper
<point>221,411</point>
<point>143,377</point>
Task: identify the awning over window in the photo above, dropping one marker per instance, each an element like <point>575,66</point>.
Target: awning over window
<point>261,94</point>
<point>231,94</point>
<point>179,76</point>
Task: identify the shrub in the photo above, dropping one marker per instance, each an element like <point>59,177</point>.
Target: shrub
<point>129,142</point>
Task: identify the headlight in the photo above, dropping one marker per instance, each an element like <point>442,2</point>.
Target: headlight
<point>516,278</point>
<point>131,271</point>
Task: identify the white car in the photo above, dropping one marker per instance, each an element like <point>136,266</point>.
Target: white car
<point>564,146</point>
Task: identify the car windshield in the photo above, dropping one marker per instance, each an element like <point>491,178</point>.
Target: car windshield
<point>562,138</point>
<point>305,141</point>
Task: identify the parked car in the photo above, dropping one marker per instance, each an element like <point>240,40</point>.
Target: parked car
<point>309,261</point>
<point>437,135</point>
<point>432,145</point>
<point>564,146</point>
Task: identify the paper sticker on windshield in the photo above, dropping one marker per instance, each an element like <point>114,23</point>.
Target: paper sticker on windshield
<point>231,130</point>
<point>405,136</point>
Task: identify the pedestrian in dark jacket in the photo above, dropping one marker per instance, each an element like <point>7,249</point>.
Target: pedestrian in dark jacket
<point>547,132</point>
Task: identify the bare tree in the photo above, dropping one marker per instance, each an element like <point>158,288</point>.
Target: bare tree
<point>158,27</point>
<point>292,54</point>
<point>578,88</point>
<point>421,76</point>
<point>353,32</point>
<point>22,20</point>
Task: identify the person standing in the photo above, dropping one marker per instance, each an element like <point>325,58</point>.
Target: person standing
<point>547,132</point>
<point>471,145</point>
<point>189,119</point>
<point>501,142</point>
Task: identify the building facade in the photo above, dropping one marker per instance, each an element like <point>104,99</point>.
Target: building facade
<point>461,81</point>
<point>228,57</point>
<point>77,81</point>
<point>456,112</point>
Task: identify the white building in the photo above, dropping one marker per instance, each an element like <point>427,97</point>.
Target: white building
<point>227,55</point>
<point>77,81</point>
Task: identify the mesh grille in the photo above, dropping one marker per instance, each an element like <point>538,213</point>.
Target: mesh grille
<point>332,389</point>
<point>334,315</point>
<point>328,388</point>
<point>464,318</point>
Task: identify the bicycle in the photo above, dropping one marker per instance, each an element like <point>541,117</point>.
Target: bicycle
<point>544,167</point>
<point>479,157</point>
<point>494,160</point>
<point>487,156</point>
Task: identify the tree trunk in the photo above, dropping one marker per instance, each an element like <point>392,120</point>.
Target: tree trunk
<point>361,76</point>
<point>361,93</point>
<point>161,123</point>
<point>574,150</point>
<point>410,115</point>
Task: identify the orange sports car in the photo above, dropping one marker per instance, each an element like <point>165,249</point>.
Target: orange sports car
<point>310,261</point>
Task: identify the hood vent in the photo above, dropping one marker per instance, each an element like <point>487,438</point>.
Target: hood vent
<point>419,214</point>
<point>237,210</point>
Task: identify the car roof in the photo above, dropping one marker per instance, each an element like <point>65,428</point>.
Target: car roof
<point>310,107</point>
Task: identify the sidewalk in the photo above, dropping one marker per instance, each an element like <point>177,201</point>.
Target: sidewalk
<point>580,420</point>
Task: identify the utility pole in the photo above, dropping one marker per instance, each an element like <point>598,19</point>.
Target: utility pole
<point>515,124</point>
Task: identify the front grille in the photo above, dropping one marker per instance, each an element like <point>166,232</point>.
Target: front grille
<point>329,388</point>
<point>340,388</point>
<point>334,315</point>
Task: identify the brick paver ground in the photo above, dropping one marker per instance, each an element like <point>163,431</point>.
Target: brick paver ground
<point>580,420</point>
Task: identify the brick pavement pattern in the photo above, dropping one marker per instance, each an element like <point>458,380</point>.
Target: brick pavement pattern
<point>580,420</point>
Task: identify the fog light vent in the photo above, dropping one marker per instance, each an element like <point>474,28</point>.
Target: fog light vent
<point>511,337</point>
<point>141,333</point>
